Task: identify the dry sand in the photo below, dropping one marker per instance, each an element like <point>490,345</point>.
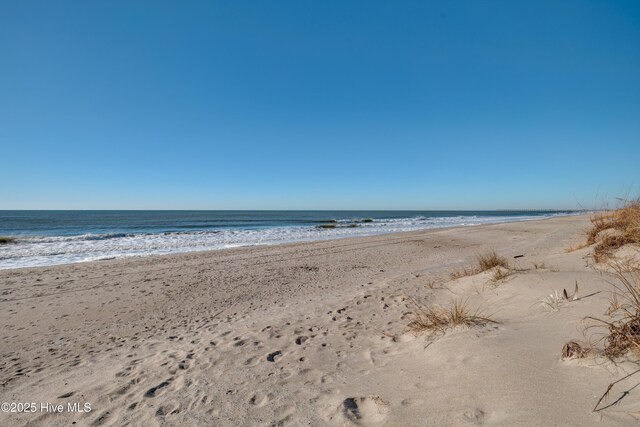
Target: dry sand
<point>311,334</point>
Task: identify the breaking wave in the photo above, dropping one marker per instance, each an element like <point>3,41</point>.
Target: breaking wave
<point>30,251</point>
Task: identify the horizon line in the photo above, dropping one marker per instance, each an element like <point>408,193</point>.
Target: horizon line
<point>308,210</point>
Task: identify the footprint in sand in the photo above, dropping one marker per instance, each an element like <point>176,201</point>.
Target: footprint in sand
<point>364,410</point>
<point>475,415</point>
<point>171,408</point>
<point>272,357</point>
<point>259,399</point>
<point>102,419</point>
<point>153,391</point>
<point>252,361</point>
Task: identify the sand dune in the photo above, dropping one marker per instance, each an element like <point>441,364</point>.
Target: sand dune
<point>311,334</point>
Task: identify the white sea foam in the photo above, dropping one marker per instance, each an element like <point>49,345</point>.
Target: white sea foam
<point>44,251</point>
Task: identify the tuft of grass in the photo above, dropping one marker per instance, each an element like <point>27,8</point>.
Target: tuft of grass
<point>624,224</point>
<point>621,334</point>
<point>7,240</point>
<point>438,319</point>
<point>603,250</point>
<point>500,273</point>
<point>491,259</point>
<point>484,262</point>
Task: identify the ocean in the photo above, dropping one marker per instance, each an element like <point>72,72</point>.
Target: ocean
<point>44,238</point>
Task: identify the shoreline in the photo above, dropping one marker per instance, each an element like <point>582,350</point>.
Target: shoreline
<point>198,251</point>
<point>310,333</point>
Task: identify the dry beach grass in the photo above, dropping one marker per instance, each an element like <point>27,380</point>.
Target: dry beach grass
<point>484,261</point>
<point>616,334</point>
<point>437,318</point>
<point>611,230</point>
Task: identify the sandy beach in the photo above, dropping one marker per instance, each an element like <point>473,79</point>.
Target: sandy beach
<point>326,213</point>
<point>312,334</point>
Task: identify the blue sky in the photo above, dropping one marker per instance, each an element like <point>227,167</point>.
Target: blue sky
<point>318,104</point>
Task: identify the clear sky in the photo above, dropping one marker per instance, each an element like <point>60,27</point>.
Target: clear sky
<point>318,104</point>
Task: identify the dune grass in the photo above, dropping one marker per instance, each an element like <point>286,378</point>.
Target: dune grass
<point>613,229</point>
<point>6,240</point>
<point>486,261</point>
<point>437,318</point>
<point>500,273</point>
<point>490,260</point>
<point>620,334</point>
